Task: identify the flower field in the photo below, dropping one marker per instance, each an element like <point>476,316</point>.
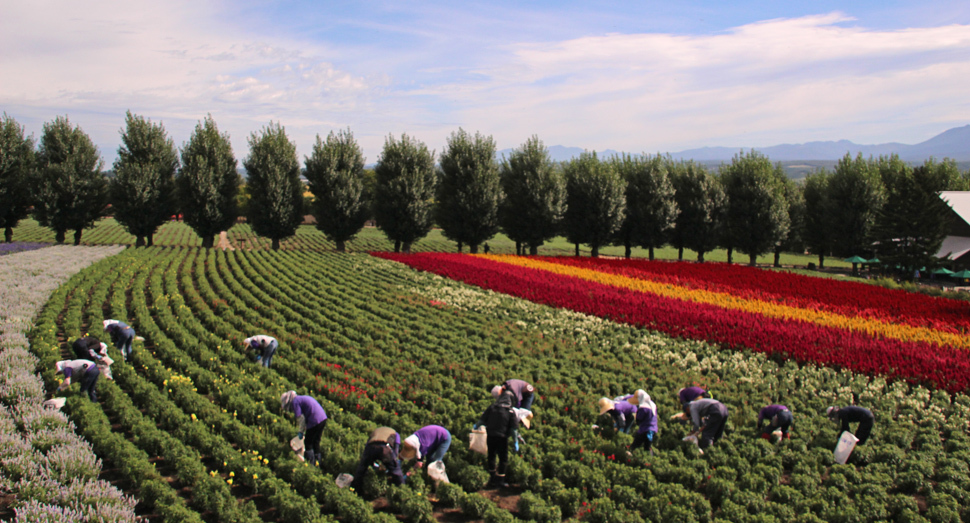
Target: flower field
<point>855,326</point>
<point>193,429</point>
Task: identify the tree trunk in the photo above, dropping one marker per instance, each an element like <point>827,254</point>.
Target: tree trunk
<point>8,234</point>
<point>752,259</point>
<point>150,239</point>
<point>59,236</point>
<point>627,249</point>
<point>700,256</point>
<point>533,250</point>
<point>77,236</point>
<point>777,258</point>
<point>821,261</point>
<point>397,245</point>
<point>276,244</point>
<point>407,247</point>
<point>341,246</point>
<point>139,241</point>
<point>730,253</point>
<point>473,248</point>
<point>577,249</point>
<point>680,254</point>
<point>594,251</point>
<point>518,248</point>
<point>208,241</point>
<point>460,247</point>
<point>651,253</point>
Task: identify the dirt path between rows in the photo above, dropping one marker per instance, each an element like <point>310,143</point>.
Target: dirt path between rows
<point>224,242</point>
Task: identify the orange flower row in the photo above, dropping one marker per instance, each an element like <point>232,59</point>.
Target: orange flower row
<point>869,326</point>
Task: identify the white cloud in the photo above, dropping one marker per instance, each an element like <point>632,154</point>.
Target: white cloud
<point>770,80</point>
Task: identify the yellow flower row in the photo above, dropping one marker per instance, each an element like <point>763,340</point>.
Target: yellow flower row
<point>869,326</point>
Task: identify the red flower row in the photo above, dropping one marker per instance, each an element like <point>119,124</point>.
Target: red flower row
<point>942,367</point>
<point>841,297</point>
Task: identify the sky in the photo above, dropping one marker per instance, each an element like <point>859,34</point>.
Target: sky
<point>640,77</point>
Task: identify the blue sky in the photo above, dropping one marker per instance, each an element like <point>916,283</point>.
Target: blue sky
<point>632,76</point>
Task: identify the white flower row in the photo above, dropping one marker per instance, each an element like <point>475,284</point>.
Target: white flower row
<point>52,471</point>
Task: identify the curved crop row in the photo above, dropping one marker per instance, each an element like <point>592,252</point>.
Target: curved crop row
<point>379,344</point>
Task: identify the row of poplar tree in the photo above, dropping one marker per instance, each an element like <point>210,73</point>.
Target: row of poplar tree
<point>869,206</point>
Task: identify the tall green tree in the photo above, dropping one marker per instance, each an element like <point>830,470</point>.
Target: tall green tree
<point>701,202</point>
<point>208,182</point>
<point>469,189</point>
<point>651,209</point>
<point>335,171</point>
<point>143,189</point>
<point>535,195</point>
<point>757,213</point>
<point>17,174</point>
<point>72,192</point>
<point>855,196</point>
<point>912,224</point>
<point>816,225</point>
<point>795,202</point>
<point>275,206</point>
<point>404,192</point>
<point>595,202</point>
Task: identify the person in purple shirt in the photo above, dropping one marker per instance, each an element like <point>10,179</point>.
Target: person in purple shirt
<point>523,391</point>
<point>689,394</point>
<point>427,444</point>
<point>778,417</point>
<point>622,411</point>
<point>646,420</point>
<point>83,371</point>
<point>310,421</point>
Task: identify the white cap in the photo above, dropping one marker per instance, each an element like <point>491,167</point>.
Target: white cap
<point>107,323</point>
<point>413,442</point>
<point>496,391</point>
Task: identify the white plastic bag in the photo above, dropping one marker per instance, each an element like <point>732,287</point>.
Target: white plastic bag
<point>844,449</point>
<point>437,472</point>
<point>55,403</point>
<point>477,441</point>
<point>344,480</point>
<point>297,445</point>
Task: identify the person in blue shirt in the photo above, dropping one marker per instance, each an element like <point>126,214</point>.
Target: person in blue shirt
<point>122,335</point>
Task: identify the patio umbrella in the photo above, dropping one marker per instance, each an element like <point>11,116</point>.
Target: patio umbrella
<point>855,260</point>
<point>874,260</point>
<point>942,270</point>
<point>963,275</point>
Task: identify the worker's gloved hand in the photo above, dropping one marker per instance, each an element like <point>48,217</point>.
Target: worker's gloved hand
<point>299,435</point>
<point>419,464</point>
<point>64,385</point>
<point>516,444</point>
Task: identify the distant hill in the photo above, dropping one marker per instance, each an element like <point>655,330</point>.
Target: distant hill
<point>806,157</point>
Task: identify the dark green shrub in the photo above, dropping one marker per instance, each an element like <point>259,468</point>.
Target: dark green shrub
<point>474,505</point>
<point>532,507</point>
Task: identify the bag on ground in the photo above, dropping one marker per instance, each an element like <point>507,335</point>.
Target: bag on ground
<point>844,449</point>
<point>437,472</point>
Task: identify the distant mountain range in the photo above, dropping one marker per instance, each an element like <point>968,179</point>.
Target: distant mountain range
<point>954,144</point>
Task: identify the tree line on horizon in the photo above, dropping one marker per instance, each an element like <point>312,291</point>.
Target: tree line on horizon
<point>876,207</point>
